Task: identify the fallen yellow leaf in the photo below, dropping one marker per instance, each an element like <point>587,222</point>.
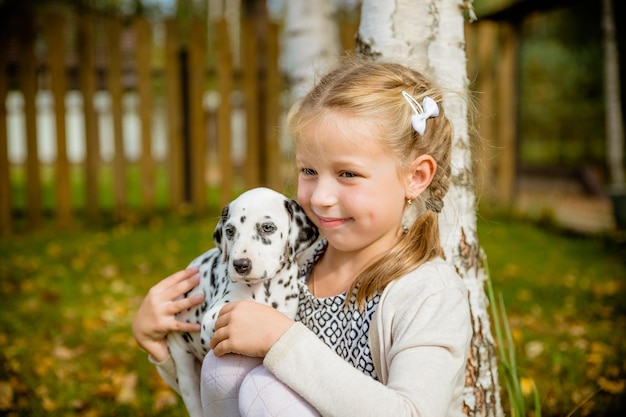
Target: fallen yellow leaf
<point>526,385</point>
<point>6,395</point>
<point>612,387</point>
<point>44,364</point>
<point>164,398</point>
<point>47,402</point>
<point>127,388</point>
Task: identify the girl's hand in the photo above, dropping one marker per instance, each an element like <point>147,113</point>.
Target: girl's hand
<point>248,328</point>
<point>156,315</point>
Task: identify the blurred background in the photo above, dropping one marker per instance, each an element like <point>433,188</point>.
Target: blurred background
<point>186,93</point>
<point>125,126</point>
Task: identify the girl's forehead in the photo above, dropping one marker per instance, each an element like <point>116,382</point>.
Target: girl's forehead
<point>336,130</point>
<point>342,153</point>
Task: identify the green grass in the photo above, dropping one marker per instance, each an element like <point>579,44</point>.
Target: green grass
<point>105,188</point>
<point>67,304</point>
<point>564,299</point>
<point>68,299</point>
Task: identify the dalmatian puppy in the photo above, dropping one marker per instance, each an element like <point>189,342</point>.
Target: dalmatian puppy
<point>257,242</point>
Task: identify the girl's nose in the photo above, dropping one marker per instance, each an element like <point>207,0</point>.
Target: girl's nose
<point>323,194</point>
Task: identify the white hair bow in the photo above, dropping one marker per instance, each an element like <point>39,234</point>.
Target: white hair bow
<point>427,109</point>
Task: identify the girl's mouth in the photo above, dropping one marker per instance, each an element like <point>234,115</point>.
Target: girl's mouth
<point>331,223</point>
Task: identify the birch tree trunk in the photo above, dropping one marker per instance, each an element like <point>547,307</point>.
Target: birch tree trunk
<point>311,44</point>
<point>428,36</point>
<point>310,48</point>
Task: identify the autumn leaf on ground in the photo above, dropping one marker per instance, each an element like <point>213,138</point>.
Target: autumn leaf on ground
<point>127,388</point>
<point>6,396</point>
<point>164,398</point>
<point>613,387</point>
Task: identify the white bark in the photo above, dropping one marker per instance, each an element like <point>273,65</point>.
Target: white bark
<point>428,36</point>
<point>311,44</point>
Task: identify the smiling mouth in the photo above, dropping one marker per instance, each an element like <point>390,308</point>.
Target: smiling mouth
<point>331,223</point>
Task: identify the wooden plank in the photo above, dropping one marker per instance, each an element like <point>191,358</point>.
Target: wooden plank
<point>173,111</point>
<point>143,32</point>
<point>28,80</point>
<point>250,45</point>
<point>197,87</point>
<point>507,117</point>
<point>5,171</point>
<point>114,31</point>
<point>224,72</point>
<point>273,161</point>
<point>88,88</point>
<point>54,27</point>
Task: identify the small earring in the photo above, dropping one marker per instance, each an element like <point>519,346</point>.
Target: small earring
<point>406,221</point>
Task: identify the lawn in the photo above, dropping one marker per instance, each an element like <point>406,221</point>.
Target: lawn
<point>564,298</point>
<point>68,299</point>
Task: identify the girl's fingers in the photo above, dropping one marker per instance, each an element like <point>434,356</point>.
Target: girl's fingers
<point>174,286</point>
<point>182,326</point>
<point>185,303</point>
<point>228,307</point>
<point>222,321</point>
<point>248,328</point>
<point>180,278</point>
<point>187,284</point>
<point>219,342</point>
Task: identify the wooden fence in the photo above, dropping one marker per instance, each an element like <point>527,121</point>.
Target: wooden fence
<point>209,152</point>
<point>61,52</point>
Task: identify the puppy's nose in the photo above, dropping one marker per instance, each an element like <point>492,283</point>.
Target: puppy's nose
<point>242,266</point>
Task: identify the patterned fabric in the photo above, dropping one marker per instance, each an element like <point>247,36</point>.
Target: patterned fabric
<point>343,328</point>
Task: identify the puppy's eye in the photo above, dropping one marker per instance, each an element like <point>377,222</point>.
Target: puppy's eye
<point>229,230</point>
<point>267,228</point>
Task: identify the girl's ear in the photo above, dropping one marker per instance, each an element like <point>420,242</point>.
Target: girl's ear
<point>420,175</point>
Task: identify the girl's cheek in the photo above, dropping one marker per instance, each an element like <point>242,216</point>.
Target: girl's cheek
<point>303,196</point>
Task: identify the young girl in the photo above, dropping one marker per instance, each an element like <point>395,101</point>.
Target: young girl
<point>383,326</point>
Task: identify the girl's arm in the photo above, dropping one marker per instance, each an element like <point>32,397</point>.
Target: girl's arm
<point>156,315</point>
<point>419,339</point>
<point>423,365</point>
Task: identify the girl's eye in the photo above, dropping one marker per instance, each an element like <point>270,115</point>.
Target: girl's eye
<point>308,171</point>
<point>348,174</point>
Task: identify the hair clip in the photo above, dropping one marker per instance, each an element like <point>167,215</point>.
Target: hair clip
<point>427,109</point>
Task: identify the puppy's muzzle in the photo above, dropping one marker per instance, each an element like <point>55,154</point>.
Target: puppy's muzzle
<point>243,266</point>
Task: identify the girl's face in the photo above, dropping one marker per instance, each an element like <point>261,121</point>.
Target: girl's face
<point>349,185</point>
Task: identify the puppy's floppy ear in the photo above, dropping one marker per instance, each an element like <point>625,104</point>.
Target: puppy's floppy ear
<point>302,232</point>
<point>218,235</point>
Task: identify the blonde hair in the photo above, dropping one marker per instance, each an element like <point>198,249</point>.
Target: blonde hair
<point>373,91</point>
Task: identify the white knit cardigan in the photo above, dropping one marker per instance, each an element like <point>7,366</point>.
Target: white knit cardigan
<point>419,338</point>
